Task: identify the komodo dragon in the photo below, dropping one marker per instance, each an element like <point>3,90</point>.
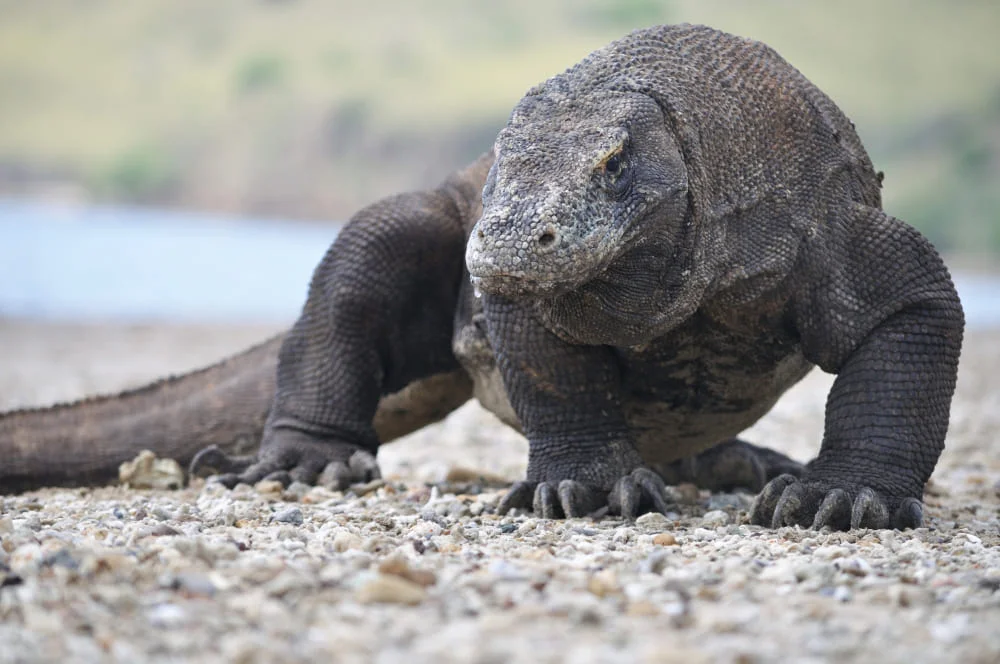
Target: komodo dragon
<point>664,239</point>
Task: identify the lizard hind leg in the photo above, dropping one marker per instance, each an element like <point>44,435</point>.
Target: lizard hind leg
<point>732,464</point>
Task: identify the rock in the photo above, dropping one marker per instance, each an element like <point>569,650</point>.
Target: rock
<point>715,519</point>
<point>390,589</point>
<point>291,515</point>
<point>163,530</point>
<point>296,491</point>
<point>653,522</point>
<point>397,565</point>
<point>367,487</point>
<point>167,615</point>
<point>685,494</point>
<point>831,552</point>
<point>642,607</point>
<point>664,539</point>
<point>853,566</point>
<point>193,584</point>
<point>146,471</point>
<point>465,475</point>
<point>704,534</point>
<point>604,583</point>
<point>270,488</point>
<point>318,494</point>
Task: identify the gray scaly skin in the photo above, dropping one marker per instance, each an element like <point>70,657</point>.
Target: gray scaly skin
<point>672,233</point>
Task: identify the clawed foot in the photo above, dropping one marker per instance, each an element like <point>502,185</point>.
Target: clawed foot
<point>639,492</point>
<point>787,501</point>
<point>733,464</point>
<point>333,465</point>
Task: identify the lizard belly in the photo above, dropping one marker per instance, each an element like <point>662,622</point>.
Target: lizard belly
<point>475,354</point>
<point>682,400</point>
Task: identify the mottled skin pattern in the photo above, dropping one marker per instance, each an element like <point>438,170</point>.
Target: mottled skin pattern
<point>671,234</point>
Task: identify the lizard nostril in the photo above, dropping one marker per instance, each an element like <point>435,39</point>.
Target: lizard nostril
<point>546,238</point>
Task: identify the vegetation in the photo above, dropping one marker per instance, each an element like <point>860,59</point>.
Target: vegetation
<point>314,107</point>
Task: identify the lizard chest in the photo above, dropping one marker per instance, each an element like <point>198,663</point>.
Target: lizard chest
<point>701,384</point>
<point>681,393</point>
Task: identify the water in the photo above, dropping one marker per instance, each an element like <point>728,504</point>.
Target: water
<point>127,264</point>
<point>139,265</point>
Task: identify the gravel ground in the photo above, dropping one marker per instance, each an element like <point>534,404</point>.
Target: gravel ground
<point>418,568</point>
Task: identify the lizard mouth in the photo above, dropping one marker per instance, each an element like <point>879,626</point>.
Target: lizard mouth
<point>517,287</point>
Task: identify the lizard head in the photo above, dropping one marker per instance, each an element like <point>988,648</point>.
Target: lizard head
<point>577,181</point>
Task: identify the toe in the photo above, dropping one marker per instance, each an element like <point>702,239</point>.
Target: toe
<point>364,467</point>
<point>305,473</point>
<point>258,471</point>
<point>654,491</point>
<point>909,514</point>
<point>520,496</point>
<point>626,498</point>
<point>791,508</point>
<point>869,510</point>
<point>546,503</point>
<point>834,512</point>
<point>282,476</point>
<point>336,476</point>
<point>212,460</point>
<point>578,500</point>
<point>763,508</point>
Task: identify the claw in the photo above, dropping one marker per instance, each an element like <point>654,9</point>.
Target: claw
<point>578,500</point>
<point>282,476</point>
<point>763,509</point>
<point>786,501</point>
<point>546,503</point>
<point>625,498</point>
<point>306,474</point>
<point>519,497</point>
<point>834,511</point>
<point>364,466</point>
<point>869,511</point>
<point>213,461</point>
<point>653,488</point>
<point>909,514</point>
<point>638,492</point>
<point>791,507</point>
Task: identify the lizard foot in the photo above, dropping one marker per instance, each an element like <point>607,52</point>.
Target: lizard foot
<point>640,491</point>
<point>787,501</point>
<point>733,464</point>
<point>292,458</point>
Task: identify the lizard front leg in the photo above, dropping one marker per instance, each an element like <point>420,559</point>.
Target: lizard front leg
<point>581,454</point>
<point>379,317</point>
<point>876,306</point>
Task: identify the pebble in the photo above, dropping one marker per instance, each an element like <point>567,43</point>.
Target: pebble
<point>715,519</point>
<point>146,471</point>
<point>391,589</point>
<point>290,515</point>
<point>410,569</point>
<point>652,522</point>
<point>604,583</point>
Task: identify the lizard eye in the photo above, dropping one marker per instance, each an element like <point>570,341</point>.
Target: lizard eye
<point>613,166</point>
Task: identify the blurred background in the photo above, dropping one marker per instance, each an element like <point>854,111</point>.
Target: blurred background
<point>186,159</point>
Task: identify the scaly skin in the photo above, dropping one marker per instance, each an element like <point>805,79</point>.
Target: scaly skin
<point>671,234</point>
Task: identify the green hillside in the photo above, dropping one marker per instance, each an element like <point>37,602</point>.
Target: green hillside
<point>312,108</point>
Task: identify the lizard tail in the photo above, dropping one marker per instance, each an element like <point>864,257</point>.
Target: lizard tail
<point>83,443</point>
